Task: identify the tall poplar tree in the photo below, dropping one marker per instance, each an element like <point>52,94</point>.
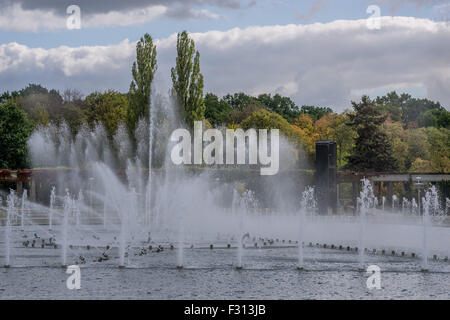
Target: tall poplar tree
<point>143,71</point>
<point>187,80</point>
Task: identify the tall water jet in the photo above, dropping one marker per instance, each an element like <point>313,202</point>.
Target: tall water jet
<point>406,205</point>
<point>67,208</point>
<point>365,199</point>
<point>414,207</point>
<point>300,235</point>
<point>180,240</point>
<point>79,203</point>
<point>180,253</point>
<point>237,207</point>
<point>10,200</point>
<point>307,203</point>
<point>24,199</point>
<point>148,198</point>
<point>52,206</point>
<point>124,217</point>
<point>434,202</point>
<point>426,203</point>
<point>104,213</point>
<point>394,199</point>
<point>241,203</point>
<point>383,201</point>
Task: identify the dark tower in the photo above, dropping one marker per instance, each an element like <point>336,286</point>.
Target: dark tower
<point>326,170</point>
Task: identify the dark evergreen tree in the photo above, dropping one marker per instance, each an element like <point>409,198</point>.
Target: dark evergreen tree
<point>372,150</point>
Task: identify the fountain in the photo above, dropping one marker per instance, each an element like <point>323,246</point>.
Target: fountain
<point>24,199</point>
<point>426,204</point>
<point>307,203</point>
<point>104,213</point>
<point>405,205</point>
<point>52,205</point>
<point>65,228</point>
<point>77,205</point>
<point>237,202</point>
<point>414,207</point>
<point>10,213</point>
<point>394,200</point>
<point>132,213</point>
<point>180,252</point>
<point>365,199</point>
<point>123,238</point>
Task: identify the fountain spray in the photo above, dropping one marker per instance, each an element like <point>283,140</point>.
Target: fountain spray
<point>122,238</point>
<point>24,199</point>
<point>236,206</point>
<point>426,203</point>
<point>394,199</point>
<point>10,200</point>
<point>180,240</point>
<point>308,202</point>
<point>52,204</point>
<point>67,208</point>
<point>104,213</point>
<point>148,202</point>
<point>365,199</point>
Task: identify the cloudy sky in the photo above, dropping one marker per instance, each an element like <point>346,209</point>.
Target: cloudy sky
<point>319,52</point>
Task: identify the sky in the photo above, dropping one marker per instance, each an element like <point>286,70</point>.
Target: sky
<point>318,52</point>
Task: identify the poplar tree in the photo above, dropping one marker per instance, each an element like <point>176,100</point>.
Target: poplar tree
<point>187,80</point>
<point>143,71</point>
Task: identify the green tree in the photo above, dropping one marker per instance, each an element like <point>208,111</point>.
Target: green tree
<point>143,71</point>
<point>439,142</point>
<point>33,89</point>
<point>35,98</point>
<point>264,119</point>
<point>187,80</point>
<point>414,108</point>
<point>438,118</point>
<point>108,108</point>
<point>73,116</point>
<point>334,126</point>
<point>315,112</point>
<point>372,150</point>
<point>284,106</point>
<point>39,115</point>
<point>398,139</point>
<point>14,132</point>
<point>236,116</point>
<point>239,101</point>
<point>216,111</point>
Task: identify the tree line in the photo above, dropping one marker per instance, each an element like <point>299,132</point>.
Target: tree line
<point>389,133</point>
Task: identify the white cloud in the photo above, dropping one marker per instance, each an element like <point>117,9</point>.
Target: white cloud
<point>15,18</point>
<point>184,12</point>
<point>125,18</point>
<point>322,64</point>
<point>87,68</point>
